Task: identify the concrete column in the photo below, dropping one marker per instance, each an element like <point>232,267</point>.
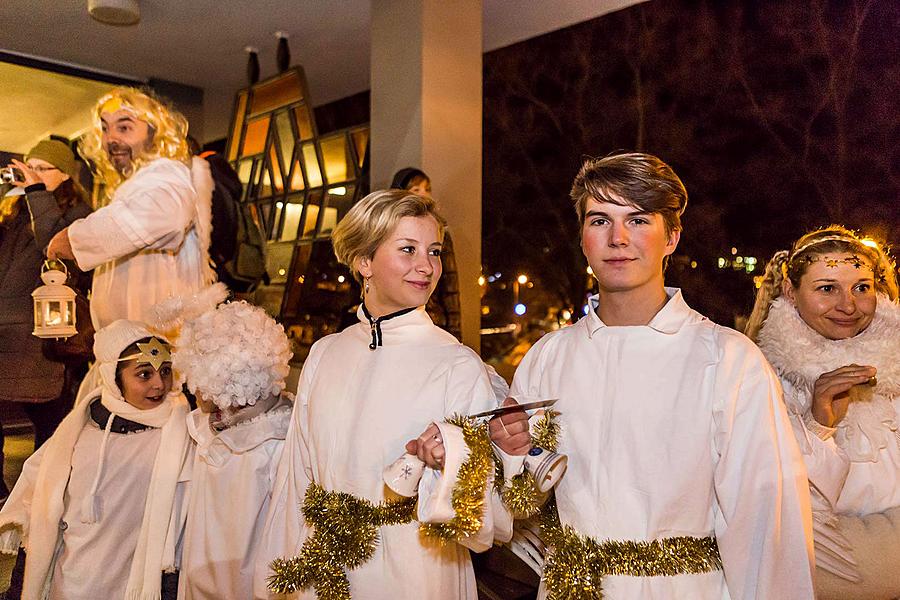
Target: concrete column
<point>426,113</point>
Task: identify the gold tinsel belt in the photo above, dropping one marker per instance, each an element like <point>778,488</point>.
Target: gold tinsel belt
<point>577,564</point>
<point>345,528</point>
<point>344,537</point>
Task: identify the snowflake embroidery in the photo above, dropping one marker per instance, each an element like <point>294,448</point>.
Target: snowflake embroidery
<point>406,473</point>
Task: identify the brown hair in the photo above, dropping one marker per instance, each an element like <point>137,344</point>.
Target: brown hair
<point>631,179</point>
<point>69,193</point>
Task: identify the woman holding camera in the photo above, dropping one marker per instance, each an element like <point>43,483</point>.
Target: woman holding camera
<point>827,318</point>
<point>52,199</point>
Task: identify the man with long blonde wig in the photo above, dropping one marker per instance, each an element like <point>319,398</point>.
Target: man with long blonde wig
<point>151,239</point>
<point>167,136</point>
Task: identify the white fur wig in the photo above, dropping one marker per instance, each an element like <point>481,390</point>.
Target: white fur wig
<point>234,355</point>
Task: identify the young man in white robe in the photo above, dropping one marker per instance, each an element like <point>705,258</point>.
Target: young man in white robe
<point>151,241</point>
<point>235,359</point>
<point>677,437</point>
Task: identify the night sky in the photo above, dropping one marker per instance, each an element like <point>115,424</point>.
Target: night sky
<point>778,116</point>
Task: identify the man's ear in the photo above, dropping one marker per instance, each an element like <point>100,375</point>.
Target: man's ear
<point>672,242</point>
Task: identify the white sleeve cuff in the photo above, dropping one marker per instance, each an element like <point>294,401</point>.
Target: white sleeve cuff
<point>436,487</point>
<point>820,431</point>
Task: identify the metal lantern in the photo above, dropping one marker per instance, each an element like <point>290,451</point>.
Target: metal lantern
<point>54,304</point>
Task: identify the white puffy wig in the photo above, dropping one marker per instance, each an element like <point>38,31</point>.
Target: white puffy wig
<point>234,355</point>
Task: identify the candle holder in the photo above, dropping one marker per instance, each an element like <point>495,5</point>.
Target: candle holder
<point>54,304</point>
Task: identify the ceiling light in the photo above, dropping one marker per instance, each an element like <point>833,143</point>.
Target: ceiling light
<point>115,12</point>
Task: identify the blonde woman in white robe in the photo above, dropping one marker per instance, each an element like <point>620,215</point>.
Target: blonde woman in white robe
<point>97,508</point>
<point>375,390</point>
<point>827,319</point>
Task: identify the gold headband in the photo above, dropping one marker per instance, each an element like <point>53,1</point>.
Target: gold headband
<point>827,238</point>
<point>154,353</point>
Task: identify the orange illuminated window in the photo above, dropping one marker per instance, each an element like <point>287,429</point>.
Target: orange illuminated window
<point>304,127</point>
<point>276,93</point>
<point>337,159</point>
<point>255,141</point>
<point>238,124</point>
<point>360,139</point>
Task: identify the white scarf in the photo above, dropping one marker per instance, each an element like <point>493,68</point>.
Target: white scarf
<point>155,551</point>
<point>800,355</point>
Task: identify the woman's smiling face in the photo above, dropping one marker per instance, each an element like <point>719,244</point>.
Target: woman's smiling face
<point>836,295</point>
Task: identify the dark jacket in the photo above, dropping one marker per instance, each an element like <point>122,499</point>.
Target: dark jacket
<point>25,375</point>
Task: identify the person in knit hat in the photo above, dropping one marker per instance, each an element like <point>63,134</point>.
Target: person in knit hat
<point>97,508</point>
<point>235,360</point>
<point>49,200</point>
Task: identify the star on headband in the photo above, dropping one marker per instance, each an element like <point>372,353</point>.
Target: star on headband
<point>154,353</point>
<point>832,262</point>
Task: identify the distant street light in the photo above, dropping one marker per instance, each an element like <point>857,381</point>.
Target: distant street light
<point>520,309</point>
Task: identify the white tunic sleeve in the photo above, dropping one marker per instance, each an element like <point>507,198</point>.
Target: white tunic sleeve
<point>152,212</point>
<point>763,524</point>
<point>827,465</point>
<point>16,514</point>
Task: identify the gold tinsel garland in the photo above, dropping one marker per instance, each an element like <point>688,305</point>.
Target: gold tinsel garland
<point>546,431</point>
<point>521,495</point>
<point>344,537</point>
<point>467,498</point>
<point>577,564</point>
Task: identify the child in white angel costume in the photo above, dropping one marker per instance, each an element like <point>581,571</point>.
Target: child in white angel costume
<point>97,508</point>
<point>235,359</point>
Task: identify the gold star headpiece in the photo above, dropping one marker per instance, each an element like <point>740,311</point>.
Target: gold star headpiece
<point>154,353</point>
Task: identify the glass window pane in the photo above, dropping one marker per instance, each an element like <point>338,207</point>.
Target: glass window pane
<point>255,141</point>
<point>262,216</point>
<point>304,127</point>
<point>340,199</point>
<point>337,159</point>
<point>311,215</point>
<point>285,136</point>
<point>292,213</point>
<point>360,141</point>
<point>278,182</point>
<point>311,161</point>
<point>245,167</point>
<point>278,261</point>
<point>238,125</point>
<point>297,178</point>
<point>277,93</point>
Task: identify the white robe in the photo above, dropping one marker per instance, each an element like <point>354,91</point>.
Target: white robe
<point>94,559</point>
<point>355,410</point>
<point>145,245</point>
<point>677,428</point>
<point>230,492</point>
<point>854,468</point>
<point>90,558</point>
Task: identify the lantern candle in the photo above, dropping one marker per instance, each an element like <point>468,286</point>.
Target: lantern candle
<point>54,305</point>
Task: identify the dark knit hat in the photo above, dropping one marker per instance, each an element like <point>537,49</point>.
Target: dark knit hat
<point>57,154</point>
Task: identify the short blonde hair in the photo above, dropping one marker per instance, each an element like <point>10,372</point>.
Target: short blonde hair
<point>371,221</point>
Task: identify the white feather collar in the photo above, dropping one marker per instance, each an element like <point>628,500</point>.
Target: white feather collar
<point>800,355</point>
